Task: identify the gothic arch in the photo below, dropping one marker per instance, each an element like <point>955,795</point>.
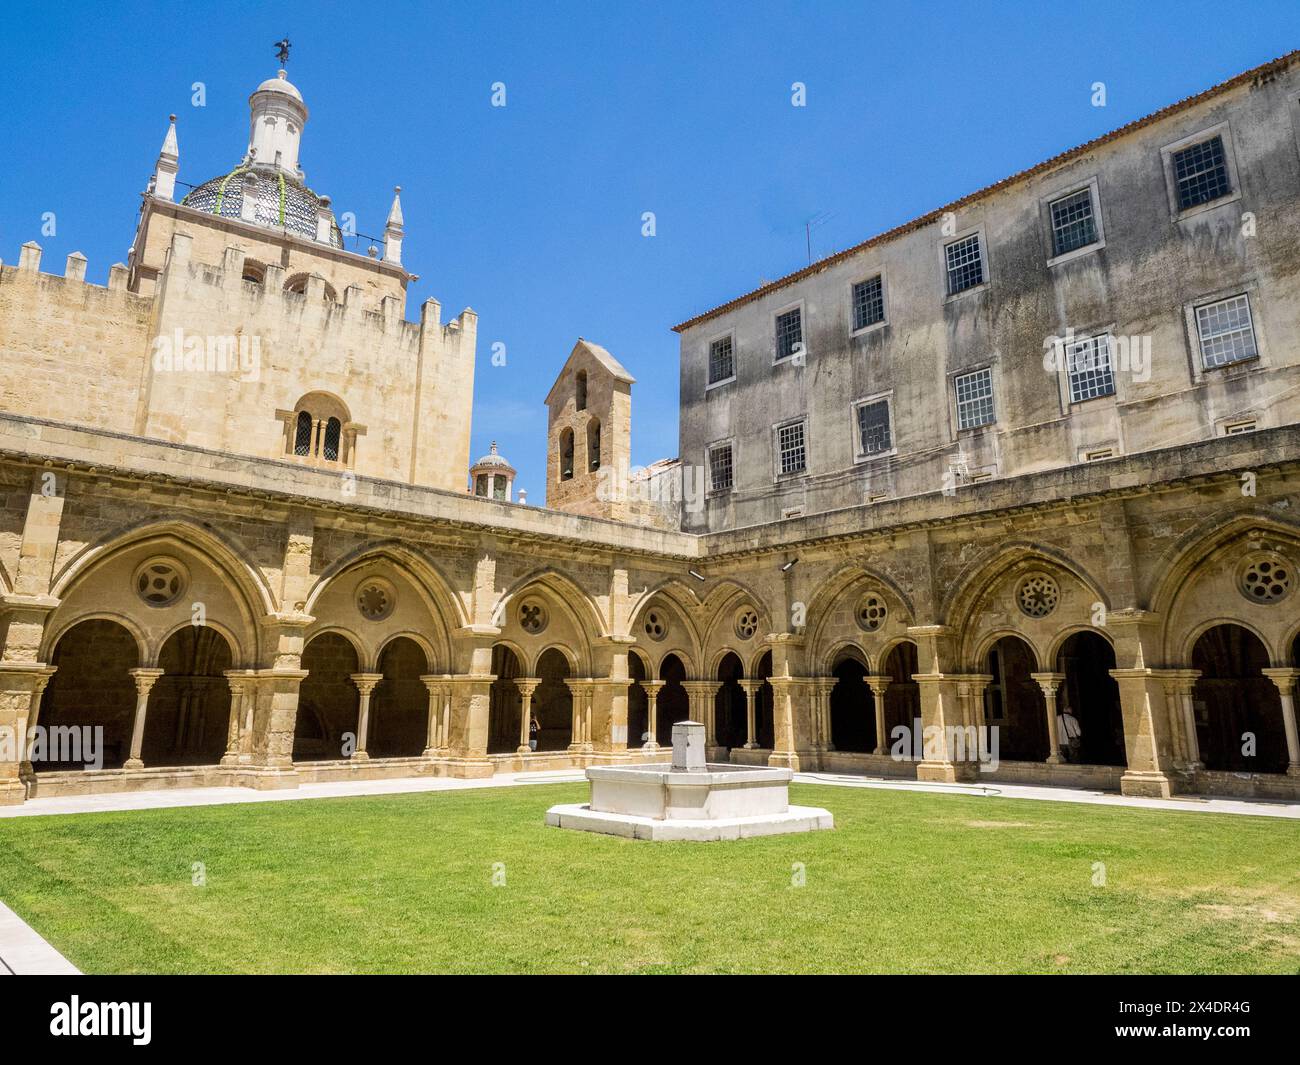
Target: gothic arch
<point>420,641</point>
<point>1059,640</point>
<point>194,539</point>
<point>841,650</point>
<point>233,585</point>
<point>581,606</point>
<point>238,652</point>
<point>978,577</point>
<point>719,606</point>
<point>1276,655</point>
<point>1185,556</point>
<point>56,632</point>
<point>411,563</point>
<point>830,623</point>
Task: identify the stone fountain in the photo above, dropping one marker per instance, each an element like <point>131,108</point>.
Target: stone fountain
<point>689,799</point>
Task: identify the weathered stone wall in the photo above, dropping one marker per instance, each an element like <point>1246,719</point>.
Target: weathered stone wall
<point>1142,279</point>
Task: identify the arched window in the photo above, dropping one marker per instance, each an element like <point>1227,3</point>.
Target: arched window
<point>593,444</point>
<point>333,431</point>
<point>320,430</point>
<point>566,455</point>
<point>254,272</point>
<point>580,390</point>
<point>302,434</point>
<point>481,485</point>
<point>298,284</point>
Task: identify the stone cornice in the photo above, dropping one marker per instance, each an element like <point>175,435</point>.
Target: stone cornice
<point>38,443</point>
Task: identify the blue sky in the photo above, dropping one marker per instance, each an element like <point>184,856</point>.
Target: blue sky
<point>531,213</point>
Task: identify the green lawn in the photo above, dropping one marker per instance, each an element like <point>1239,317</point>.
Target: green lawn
<point>907,882</point>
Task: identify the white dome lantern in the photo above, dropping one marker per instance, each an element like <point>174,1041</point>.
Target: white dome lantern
<point>492,477</point>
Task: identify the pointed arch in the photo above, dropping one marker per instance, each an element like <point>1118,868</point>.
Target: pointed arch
<point>1193,549</point>
<point>581,606</point>
<point>977,577</point>
<point>428,579</point>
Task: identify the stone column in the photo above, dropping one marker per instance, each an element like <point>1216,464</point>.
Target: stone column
<point>752,689</point>
<point>1180,686</point>
<point>700,695</point>
<point>20,700</point>
<point>526,686</point>
<point>365,683</point>
<point>580,738</point>
<point>1144,701</point>
<point>1285,680</point>
<point>145,679</point>
<point>652,690</point>
<point>792,713</point>
<point>940,703</point>
<point>1050,683</point>
<point>436,685</point>
<point>241,697</point>
<point>821,706</point>
<point>878,686</point>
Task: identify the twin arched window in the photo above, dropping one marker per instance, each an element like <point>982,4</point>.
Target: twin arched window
<point>317,430</point>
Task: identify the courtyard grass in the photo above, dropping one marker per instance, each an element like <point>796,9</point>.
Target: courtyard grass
<point>907,882</point>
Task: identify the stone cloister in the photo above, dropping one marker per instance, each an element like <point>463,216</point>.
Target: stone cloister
<point>251,631</point>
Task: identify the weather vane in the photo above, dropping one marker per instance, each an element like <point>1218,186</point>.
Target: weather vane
<point>282,50</point>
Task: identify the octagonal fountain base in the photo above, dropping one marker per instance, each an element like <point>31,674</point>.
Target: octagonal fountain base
<point>689,799</point>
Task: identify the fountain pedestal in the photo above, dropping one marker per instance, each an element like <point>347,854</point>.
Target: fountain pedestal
<point>689,799</point>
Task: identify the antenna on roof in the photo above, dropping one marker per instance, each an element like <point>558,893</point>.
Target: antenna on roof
<point>812,223</point>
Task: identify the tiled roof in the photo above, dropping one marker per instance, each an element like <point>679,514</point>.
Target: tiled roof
<point>1266,69</point>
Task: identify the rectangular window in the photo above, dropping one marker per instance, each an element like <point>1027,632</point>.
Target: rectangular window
<point>1091,369</point>
<point>789,333</point>
<point>1234,428</point>
<point>1073,224</point>
<point>790,444</point>
<point>975,399</point>
<point>965,261</point>
<point>720,475</point>
<point>1227,332</point>
<point>1201,173</point>
<point>722,365</point>
<point>874,436</point>
<point>868,303</point>
<point>1099,455</point>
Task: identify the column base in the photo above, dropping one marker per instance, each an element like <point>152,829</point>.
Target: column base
<point>1147,785</point>
<point>360,756</point>
<point>751,747</point>
<point>1055,759</point>
<point>133,763</point>
<point>12,793</point>
<point>266,778</point>
<point>1293,770</point>
<point>936,772</point>
<point>229,759</point>
<point>470,768</point>
<point>650,746</point>
<point>521,749</point>
<point>795,761</point>
<point>881,752</point>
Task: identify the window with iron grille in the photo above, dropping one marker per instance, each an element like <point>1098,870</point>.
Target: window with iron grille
<point>965,264</point>
<point>974,399</point>
<point>720,472</point>
<point>873,428</point>
<point>868,303</point>
<point>1073,224</point>
<point>1201,173</point>
<point>721,364</point>
<point>790,443</point>
<point>1227,332</point>
<point>1092,372</point>
<point>789,333</point>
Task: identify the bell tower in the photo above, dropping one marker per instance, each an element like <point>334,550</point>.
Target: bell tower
<point>589,434</point>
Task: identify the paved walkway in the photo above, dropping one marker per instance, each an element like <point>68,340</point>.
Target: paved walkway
<point>24,953</point>
<point>170,797</point>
